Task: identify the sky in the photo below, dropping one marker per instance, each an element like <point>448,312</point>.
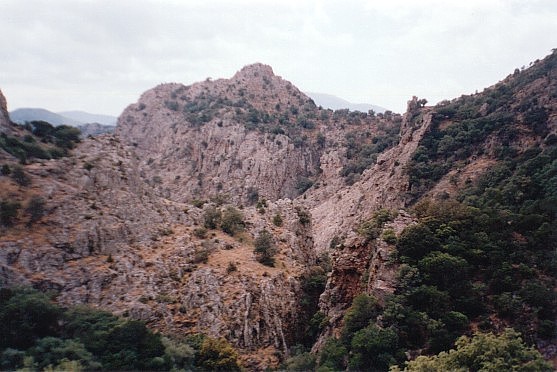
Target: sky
<point>99,56</point>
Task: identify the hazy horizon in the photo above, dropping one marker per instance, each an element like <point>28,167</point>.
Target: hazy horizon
<point>100,56</point>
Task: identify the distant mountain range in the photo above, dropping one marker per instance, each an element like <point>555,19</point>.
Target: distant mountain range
<point>336,103</point>
<point>73,118</point>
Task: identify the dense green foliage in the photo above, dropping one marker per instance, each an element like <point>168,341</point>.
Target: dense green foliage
<point>487,256</point>
<point>461,127</point>
<point>37,334</point>
<point>42,141</point>
<point>230,221</point>
<point>362,150</point>
<point>265,248</point>
<point>483,352</point>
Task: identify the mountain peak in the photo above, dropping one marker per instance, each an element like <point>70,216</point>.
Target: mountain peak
<point>255,70</point>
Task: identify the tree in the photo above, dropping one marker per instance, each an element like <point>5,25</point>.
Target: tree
<point>364,309</point>
<point>52,351</point>
<point>333,355</point>
<point>66,136</point>
<point>484,352</point>
<point>277,220</point>
<point>265,248</point>
<point>373,348</point>
<point>25,317</point>
<point>443,270</point>
<point>416,241</point>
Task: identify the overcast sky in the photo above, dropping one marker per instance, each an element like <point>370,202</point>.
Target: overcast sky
<point>99,56</point>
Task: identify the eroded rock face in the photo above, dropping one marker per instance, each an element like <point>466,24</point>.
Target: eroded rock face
<point>336,209</point>
<point>5,122</point>
<point>360,266</point>
<point>195,139</point>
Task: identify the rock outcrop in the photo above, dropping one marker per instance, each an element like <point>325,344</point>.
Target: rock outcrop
<point>5,122</point>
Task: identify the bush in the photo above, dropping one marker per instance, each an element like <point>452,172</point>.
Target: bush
<point>333,355</point>
<point>265,248</point>
<point>25,317</point>
<point>231,268</point>
<point>8,212</point>
<point>373,348</point>
<point>35,209</point>
<point>20,177</point>
<point>232,221</point>
<point>364,310</point>
<point>416,241</point>
<point>301,362</point>
<point>5,170</point>
<point>211,217</point>
<point>303,216</point>
<point>217,355</point>
<point>484,352</point>
<point>277,220</point>
<point>200,232</point>
<point>389,237</point>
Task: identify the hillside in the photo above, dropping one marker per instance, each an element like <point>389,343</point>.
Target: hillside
<point>23,115</point>
<point>237,208</point>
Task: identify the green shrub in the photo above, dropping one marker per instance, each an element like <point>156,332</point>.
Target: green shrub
<point>277,220</point>
<point>231,268</point>
<point>5,170</point>
<point>217,355</point>
<point>197,203</point>
<point>364,309</point>
<point>232,221</point>
<point>212,217</point>
<point>484,352</point>
<point>373,348</point>
<point>389,236</point>
<point>35,208</point>
<point>200,232</point>
<point>25,317</point>
<point>8,212</point>
<point>301,362</point>
<point>303,216</point>
<point>333,356</point>
<point>416,241</point>
<point>20,177</point>
<point>265,248</point>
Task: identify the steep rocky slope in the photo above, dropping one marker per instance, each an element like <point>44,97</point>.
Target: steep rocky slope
<point>124,219</point>
<point>5,122</point>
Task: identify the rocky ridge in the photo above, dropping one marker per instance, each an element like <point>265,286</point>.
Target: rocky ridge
<point>123,219</point>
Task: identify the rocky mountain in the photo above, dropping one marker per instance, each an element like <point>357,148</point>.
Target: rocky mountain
<point>237,208</point>
<point>332,102</point>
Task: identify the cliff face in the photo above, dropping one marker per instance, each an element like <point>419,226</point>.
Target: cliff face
<point>109,241</point>
<point>5,122</point>
<point>195,138</point>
